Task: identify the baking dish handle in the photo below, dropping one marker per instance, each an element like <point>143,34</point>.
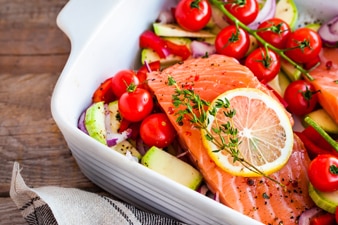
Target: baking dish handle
<point>80,26</point>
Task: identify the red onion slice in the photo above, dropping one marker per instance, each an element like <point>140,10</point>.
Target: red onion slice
<point>131,157</point>
<point>199,49</point>
<point>141,146</point>
<point>115,138</point>
<point>203,189</point>
<point>165,17</point>
<point>218,17</point>
<point>81,123</point>
<point>329,32</point>
<point>267,12</point>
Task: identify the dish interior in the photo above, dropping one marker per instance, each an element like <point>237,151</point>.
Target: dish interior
<point>104,38</point>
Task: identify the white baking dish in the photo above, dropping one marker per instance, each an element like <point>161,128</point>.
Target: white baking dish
<point>104,39</point>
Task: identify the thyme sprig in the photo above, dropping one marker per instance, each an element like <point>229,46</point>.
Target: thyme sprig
<point>190,106</point>
<point>220,5</point>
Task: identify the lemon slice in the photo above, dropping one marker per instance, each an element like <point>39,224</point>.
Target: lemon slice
<point>264,132</point>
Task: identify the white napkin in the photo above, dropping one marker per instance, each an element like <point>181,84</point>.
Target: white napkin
<point>66,206</point>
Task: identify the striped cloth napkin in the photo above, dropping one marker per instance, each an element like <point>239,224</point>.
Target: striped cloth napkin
<point>66,206</point>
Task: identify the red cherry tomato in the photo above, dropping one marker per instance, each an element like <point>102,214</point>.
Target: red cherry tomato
<point>312,63</point>
<point>121,80</point>
<point>323,173</point>
<point>157,130</point>
<point>232,41</point>
<point>264,63</point>
<point>135,105</point>
<point>193,15</point>
<point>301,97</point>
<point>244,11</point>
<point>104,92</point>
<point>303,45</point>
<point>274,31</point>
<point>324,218</point>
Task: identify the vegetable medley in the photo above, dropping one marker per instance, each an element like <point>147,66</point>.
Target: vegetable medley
<point>280,53</point>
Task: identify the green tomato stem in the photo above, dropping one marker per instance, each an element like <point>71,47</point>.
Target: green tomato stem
<point>220,5</point>
<point>322,132</point>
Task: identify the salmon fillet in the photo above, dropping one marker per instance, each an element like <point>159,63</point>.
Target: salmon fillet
<point>258,198</point>
<point>326,80</point>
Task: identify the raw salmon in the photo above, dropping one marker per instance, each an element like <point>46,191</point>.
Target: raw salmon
<point>326,80</point>
<point>258,198</point>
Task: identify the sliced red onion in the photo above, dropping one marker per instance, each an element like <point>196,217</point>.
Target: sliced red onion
<point>216,197</point>
<point>131,157</point>
<point>329,32</point>
<point>165,16</point>
<point>203,189</point>
<point>81,123</point>
<point>179,149</point>
<point>147,66</point>
<point>141,146</point>
<point>267,12</point>
<point>218,17</point>
<point>200,48</point>
<point>115,138</point>
<point>306,216</point>
<point>182,154</point>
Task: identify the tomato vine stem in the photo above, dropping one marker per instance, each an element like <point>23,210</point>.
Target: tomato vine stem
<point>220,5</point>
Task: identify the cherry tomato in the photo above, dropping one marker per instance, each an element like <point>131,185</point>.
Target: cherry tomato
<point>323,172</point>
<point>193,15</point>
<point>244,11</point>
<point>312,63</point>
<point>104,92</point>
<point>135,105</point>
<point>264,63</point>
<point>301,97</point>
<point>274,31</point>
<point>324,218</point>
<point>304,45</point>
<point>232,41</point>
<point>121,80</point>
<point>157,130</point>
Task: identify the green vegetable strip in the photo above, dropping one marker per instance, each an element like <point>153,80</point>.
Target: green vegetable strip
<point>322,132</point>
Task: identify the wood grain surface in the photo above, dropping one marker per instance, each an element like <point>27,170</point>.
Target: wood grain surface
<point>33,52</point>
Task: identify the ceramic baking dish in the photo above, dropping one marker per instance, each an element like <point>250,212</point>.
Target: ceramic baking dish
<point>104,39</point>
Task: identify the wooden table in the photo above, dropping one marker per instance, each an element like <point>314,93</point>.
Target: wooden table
<point>33,52</point>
